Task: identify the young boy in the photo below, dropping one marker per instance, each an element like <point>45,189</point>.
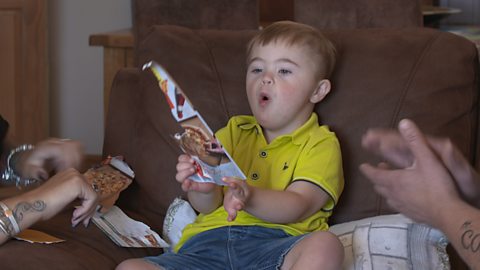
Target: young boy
<point>277,217</point>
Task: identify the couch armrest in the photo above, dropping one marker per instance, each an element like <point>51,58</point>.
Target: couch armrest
<point>122,114</point>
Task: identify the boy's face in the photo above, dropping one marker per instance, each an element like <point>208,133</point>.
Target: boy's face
<point>282,88</point>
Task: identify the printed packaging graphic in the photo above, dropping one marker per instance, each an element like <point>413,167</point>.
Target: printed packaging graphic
<point>127,232</point>
<point>212,161</point>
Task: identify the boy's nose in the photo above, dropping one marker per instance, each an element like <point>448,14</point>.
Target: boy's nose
<point>266,81</point>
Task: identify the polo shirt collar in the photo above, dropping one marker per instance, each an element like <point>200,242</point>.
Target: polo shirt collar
<point>299,136</point>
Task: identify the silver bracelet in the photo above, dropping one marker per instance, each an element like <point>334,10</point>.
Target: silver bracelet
<point>9,223</point>
<point>9,176</point>
<point>4,225</point>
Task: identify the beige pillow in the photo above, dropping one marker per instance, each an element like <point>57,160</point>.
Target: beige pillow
<point>391,242</point>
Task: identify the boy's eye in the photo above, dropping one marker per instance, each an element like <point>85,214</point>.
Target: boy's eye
<point>284,71</point>
<point>256,70</point>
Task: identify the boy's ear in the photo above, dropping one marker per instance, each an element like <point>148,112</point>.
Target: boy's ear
<point>323,88</point>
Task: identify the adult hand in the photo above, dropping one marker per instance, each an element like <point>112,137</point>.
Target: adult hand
<point>50,198</point>
<point>65,187</point>
<point>236,196</point>
<point>420,190</point>
<point>52,155</point>
<point>465,176</point>
<point>390,145</point>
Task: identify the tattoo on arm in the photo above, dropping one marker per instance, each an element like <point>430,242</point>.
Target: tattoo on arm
<point>470,238</point>
<point>24,207</point>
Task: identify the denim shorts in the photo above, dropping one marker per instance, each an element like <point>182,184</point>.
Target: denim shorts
<point>230,247</point>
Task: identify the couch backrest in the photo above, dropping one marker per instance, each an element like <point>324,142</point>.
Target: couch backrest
<point>205,14</point>
<point>381,77</point>
<point>347,14</point>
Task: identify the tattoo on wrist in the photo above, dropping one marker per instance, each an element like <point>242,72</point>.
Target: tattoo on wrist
<point>470,239</point>
<point>24,207</point>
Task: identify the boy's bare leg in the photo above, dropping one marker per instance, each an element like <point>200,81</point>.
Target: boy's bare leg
<point>319,250</point>
<point>137,264</point>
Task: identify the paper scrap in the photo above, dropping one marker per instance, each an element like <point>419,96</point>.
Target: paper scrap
<point>34,236</point>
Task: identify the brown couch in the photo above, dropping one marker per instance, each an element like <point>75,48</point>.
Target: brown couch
<point>346,14</point>
<point>382,76</point>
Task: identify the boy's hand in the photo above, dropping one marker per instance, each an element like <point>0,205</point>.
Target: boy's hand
<point>185,169</point>
<point>236,196</point>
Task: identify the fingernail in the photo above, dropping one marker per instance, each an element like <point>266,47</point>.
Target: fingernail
<point>403,123</point>
<point>43,176</point>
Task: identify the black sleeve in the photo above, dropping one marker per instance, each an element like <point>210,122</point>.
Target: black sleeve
<point>3,134</point>
<point>3,128</point>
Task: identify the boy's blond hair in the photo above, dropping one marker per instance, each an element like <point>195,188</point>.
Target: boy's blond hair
<point>297,34</point>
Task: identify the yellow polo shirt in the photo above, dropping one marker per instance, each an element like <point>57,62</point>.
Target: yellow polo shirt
<point>311,153</point>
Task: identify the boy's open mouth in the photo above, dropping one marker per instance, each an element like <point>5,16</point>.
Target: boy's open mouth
<point>264,98</point>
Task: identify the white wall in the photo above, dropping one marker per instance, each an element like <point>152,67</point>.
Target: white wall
<point>76,69</point>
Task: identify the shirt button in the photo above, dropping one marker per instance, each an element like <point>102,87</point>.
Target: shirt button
<point>263,154</point>
<point>255,176</point>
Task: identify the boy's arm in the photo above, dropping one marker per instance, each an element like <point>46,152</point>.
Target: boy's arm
<point>206,202</point>
<point>299,201</point>
<point>204,197</point>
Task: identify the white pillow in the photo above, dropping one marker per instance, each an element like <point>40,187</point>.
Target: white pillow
<point>391,242</point>
<point>179,214</point>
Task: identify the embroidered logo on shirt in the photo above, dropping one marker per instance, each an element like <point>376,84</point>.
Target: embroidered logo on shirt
<point>285,166</point>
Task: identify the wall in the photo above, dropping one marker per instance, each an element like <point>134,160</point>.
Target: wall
<point>76,69</point>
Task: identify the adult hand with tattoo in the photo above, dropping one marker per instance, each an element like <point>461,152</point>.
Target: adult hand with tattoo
<point>425,187</point>
<point>49,199</point>
<point>50,156</point>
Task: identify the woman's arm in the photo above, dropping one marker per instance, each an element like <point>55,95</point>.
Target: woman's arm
<point>461,224</point>
<point>427,190</point>
<point>46,201</point>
